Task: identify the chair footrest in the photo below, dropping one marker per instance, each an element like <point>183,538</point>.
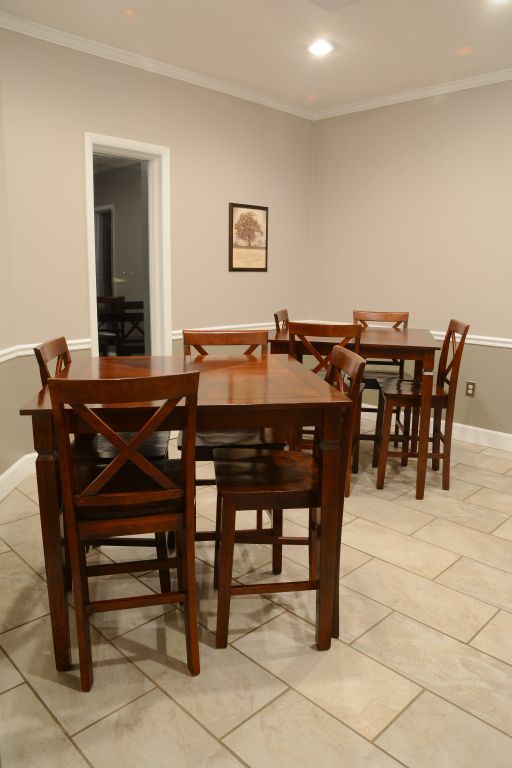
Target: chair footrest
<point>140,601</point>
<point>132,566</point>
<point>289,586</point>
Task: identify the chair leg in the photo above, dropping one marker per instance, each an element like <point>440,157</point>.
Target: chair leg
<point>396,440</point>
<point>171,541</point>
<point>378,431</point>
<point>161,550</point>
<point>356,439</point>
<point>277,549</point>
<point>259,519</point>
<point>313,543</point>
<point>227,545</point>
<point>217,544</point>
<point>188,576</point>
<point>405,439</point>
<point>81,597</point>
<point>384,442</point>
<point>436,436</point>
<point>447,449</point>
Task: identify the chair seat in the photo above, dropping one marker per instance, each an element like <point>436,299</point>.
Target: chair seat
<point>131,478</point>
<point>208,441</point>
<point>286,477</point>
<point>405,389</point>
<point>97,448</point>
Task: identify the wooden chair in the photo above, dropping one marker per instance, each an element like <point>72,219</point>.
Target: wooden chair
<point>128,495</point>
<point>281,320</point>
<point>396,393</point>
<point>86,447</point>
<point>109,311</point>
<point>379,370</point>
<point>315,339</point>
<point>276,480</point>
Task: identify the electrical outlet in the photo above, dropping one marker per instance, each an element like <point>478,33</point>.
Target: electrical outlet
<point>470,388</point>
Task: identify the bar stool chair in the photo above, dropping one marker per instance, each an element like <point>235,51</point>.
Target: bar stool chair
<point>276,480</point>
<point>127,495</point>
<point>397,393</point>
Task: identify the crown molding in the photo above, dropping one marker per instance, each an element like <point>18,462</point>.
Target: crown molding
<point>121,56</point>
<point>489,78</point>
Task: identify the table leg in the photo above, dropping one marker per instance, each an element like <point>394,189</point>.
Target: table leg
<point>426,403</point>
<point>47,487</point>
<point>333,477</point>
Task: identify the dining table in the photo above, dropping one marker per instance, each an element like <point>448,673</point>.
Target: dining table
<point>378,343</point>
<point>234,392</point>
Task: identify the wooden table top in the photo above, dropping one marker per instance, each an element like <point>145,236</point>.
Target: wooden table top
<point>410,339</point>
<point>272,381</point>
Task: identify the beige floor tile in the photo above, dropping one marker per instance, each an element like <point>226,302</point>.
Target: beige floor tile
<point>495,638</point>
<point>23,595</point>
<point>357,613</point>
<point>28,486</point>
<point>247,557</point>
<point>425,559</point>
<point>205,471</point>
<point>116,681</point>
<point>497,500</point>
<point>483,478</point>
<point>9,675</point>
<point>503,532</point>
<point>365,483</point>
<point>455,510</point>
<point>484,547</point>
<point>481,460</point>
<point>247,611</point>
<point>432,733</point>
<point>294,733</point>
<point>30,737</point>
<point>351,559</point>
<point>433,604</point>
<point>473,447</point>
<point>229,688</point>
<point>465,676</point>
<point>24,536</point>
<point>498,453</point>
<point>491,585</point>
<point>387,513</point>
<point>3,547</point>
<point>152,731</point>
<point>364,695</point>
<point>123,554</point>
<point>15,506</point>
<point>459,488</point>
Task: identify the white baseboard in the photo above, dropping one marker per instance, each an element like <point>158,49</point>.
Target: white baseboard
<point>478,435</point>
<point>16,473</point>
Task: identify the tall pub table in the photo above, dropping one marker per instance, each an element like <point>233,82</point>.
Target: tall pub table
<point>415,344</point>
<point>272,391</point>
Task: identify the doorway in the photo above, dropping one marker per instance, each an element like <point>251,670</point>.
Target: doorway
<point>129,246</point>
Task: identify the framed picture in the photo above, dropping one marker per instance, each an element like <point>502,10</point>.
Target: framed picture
<point>248,238</point>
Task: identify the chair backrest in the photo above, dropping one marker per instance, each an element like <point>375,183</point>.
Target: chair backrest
<point>313,337</point>
<point>281,320</point>
<point>74,407</point>
<point>346,371</point>
<point>201,339</point>
<point>451,356</point>
<point>397,319</point>
<point>55,349</point>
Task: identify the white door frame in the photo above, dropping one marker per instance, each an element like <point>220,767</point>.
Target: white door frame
<point>159,232</point>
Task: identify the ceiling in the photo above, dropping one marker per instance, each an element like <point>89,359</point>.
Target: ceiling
<point>385,51</point>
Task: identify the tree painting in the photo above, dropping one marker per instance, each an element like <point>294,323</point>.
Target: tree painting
<point>247,228</point>
<point>247,237</point>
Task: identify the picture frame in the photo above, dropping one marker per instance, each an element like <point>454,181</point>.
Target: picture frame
<point>248,238</point>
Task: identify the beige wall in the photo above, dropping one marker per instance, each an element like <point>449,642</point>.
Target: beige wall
<point>411,210</point>
<point>6,319</point>
<point>222,150</point>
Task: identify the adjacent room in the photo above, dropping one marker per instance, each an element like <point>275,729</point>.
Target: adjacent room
<point>255,362</point>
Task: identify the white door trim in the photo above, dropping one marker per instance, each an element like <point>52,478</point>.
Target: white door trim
<point>159,232</point>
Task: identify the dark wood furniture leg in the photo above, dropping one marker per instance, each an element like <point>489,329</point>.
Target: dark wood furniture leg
<point>426,404</point>
<point>46,470</point>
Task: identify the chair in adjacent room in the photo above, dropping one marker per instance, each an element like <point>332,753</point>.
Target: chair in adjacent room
<point>276,480</point>
<point>128,494</point>
<point>281,320</point>
<point>398,393</point>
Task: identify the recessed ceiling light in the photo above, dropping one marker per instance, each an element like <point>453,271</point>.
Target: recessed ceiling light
<point>320,47</point>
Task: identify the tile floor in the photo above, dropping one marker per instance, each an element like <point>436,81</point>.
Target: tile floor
<point>421,675</point>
